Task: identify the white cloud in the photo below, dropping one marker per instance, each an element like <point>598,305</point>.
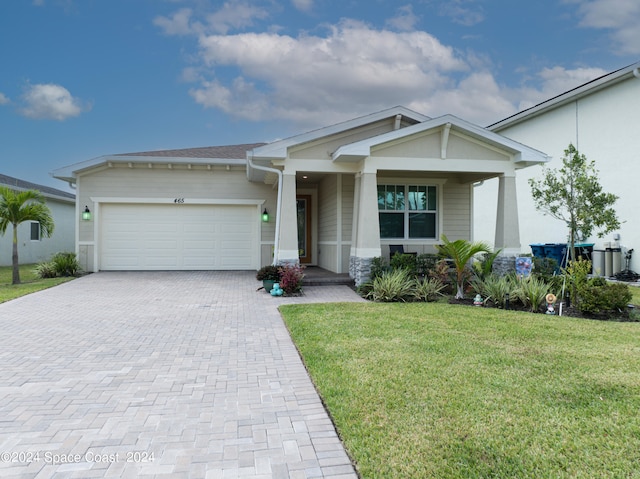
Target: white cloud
<point>303,5</point>
<point>554,81</point>
<point>621,17</point>
<point>176,24</point>
<point>463,12</point>
<point>352,69</point>
<point>233,15</point>
<point>4,100</point>
<point>50,102</point>
<point>310,77</point>
<point>405,19</point>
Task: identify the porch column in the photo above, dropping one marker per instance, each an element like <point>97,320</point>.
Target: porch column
<point>354,226</point>
<point>507,225</point>
<point>367,234</point>
<point>288,245</point>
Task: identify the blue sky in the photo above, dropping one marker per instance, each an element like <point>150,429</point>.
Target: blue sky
<point>85,78</point>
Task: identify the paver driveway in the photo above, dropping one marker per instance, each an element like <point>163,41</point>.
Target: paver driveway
<point>160,375</point>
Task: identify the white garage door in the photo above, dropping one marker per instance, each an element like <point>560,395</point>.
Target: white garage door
<point>178,237</point>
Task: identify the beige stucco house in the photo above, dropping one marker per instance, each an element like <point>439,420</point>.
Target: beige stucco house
<point>33,248</point>
<point>335,197</point>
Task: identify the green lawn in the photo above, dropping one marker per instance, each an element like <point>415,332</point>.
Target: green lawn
<point>30,283</point>
<point>447,391</point>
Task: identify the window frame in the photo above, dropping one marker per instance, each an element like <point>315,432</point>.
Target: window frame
<point>32,229</point>
<point>406,183</point>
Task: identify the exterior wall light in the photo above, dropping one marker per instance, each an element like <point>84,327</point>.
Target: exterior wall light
<point>265,216</point>
<point>86,214</point>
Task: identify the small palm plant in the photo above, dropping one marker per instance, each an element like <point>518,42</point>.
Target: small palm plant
<point>17,207</point>
<point>461,252</point>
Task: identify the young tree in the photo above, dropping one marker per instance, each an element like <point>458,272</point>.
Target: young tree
<point>17,207</point>
<point>461,252</point>
<point>573,194</point>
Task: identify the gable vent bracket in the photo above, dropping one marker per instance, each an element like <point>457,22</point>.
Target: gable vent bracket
<point>396,125</point>
<point>444,141</point>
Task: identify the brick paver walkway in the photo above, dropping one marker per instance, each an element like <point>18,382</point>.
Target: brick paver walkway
<point>163,375</point>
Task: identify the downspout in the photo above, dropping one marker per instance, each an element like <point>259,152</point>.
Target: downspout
<point>636,72</point>
<point>276,242</point>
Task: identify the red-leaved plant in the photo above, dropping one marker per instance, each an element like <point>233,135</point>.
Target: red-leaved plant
<point>291,278</point>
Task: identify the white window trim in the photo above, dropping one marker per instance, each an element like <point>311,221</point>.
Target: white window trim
<point>31,230</point>
<point>406,181</point>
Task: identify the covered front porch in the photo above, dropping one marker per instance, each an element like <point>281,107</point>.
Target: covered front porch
<point>342,203</point>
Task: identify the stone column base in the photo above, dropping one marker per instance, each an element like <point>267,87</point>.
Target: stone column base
<point>503,265</point>
<point>360,269</point>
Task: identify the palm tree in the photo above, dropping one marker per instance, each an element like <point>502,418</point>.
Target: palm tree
<point>17,207</point>
<point>461,252</point>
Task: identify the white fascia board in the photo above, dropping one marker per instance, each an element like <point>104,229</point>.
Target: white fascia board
<point>71,172</point>
<point>574,94</point>
<point>278,149</point>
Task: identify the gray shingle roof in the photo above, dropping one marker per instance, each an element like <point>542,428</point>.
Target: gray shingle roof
<point>12,182</point>
<point>223,152</point>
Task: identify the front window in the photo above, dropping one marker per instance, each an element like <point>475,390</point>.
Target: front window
<point>407,211</point>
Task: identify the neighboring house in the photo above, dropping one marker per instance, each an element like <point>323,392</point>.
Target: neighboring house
<point>336,197</point>
<point>601,119</point>
<point>31,247</point>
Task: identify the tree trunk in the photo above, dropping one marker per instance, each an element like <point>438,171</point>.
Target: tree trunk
<point>14,257</point>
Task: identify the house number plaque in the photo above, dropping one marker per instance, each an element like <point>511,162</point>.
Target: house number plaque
<point>179,200</point>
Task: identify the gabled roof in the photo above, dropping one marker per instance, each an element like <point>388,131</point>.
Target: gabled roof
<point>278,149</point>
<point>47,191</point>
<point>238,152</point>
<point>523,155</point>
<point>229,154</point>
<point>605,81</point>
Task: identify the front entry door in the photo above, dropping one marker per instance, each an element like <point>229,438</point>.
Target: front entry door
<point>304,228</point>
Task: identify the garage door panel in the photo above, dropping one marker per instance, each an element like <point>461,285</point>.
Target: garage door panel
<point>174,237</point>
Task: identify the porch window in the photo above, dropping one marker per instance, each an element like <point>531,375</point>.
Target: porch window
<point>407,211</point>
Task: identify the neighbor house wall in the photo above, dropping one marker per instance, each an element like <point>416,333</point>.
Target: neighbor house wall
<point>603,126</point>
<point>197,183</point>
<point>29,251</point>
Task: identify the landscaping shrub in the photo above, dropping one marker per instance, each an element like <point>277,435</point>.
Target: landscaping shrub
<point>544,266</point>
<point>577,273</point>
<point>531,292</point>
<point>428,289</point>
<point>392,286</point>
<point>291,278</point>
<point>495,288</point>
<point>45,270</point>
<point>597,298</point>
<point>442,272</point>
<point>61,264</point>
<point>406,262</point>
<point>378,267</point>
<point>66,264</point>
<point>268,273</point>
<point>425,263</point>
<point>483,265</point>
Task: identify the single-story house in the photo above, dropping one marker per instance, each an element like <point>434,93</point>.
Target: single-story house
<point>335,197</point>
<point>600,118</point>
<point>32,248</point>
